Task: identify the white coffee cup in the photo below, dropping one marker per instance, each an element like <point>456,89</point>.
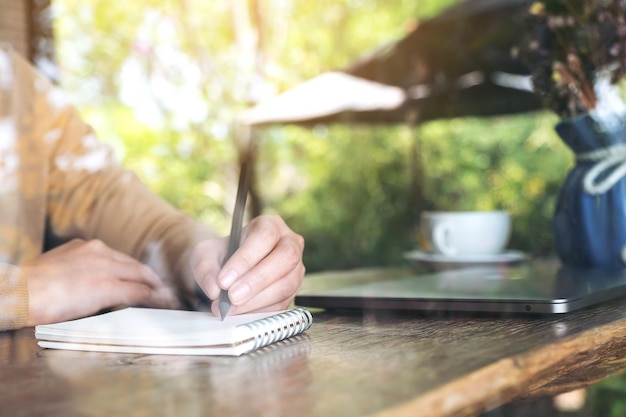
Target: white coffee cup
<point>464,233</point>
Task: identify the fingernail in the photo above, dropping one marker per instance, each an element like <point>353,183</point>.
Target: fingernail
<point>228,278</point>
<point>238,293</point>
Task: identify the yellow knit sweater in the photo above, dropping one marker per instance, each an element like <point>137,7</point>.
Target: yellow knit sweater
<point>56,177</point>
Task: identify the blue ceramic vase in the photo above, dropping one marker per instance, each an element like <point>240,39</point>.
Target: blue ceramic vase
<point>590,216</point>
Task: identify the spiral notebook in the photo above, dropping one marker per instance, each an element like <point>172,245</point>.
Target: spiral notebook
<point>173,332</point>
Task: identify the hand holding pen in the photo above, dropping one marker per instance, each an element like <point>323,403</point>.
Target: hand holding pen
<point>263,273</point>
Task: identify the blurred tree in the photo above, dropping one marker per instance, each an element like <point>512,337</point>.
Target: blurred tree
<point>164,82</point>
<point>184,69</point>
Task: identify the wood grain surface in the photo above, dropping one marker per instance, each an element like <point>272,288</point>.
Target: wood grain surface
<point>347,364</point>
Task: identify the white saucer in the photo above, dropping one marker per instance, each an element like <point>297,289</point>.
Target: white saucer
<point>438,261</point>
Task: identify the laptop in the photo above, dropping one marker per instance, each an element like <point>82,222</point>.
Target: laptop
<point>529,288</point>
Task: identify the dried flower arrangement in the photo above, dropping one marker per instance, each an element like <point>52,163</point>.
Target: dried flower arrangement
<point>576,50</point>
<point>577,53</point>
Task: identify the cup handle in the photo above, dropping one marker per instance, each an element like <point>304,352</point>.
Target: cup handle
<point>441,239</point>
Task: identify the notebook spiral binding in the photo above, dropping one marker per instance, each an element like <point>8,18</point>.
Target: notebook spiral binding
<point>280,326</point>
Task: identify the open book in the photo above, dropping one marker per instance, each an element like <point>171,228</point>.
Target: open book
<point>173,332</point>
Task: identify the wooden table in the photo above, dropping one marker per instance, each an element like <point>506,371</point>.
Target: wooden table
<point>347,364</point>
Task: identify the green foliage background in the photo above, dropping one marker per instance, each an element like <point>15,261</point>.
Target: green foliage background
<point>351,191</point>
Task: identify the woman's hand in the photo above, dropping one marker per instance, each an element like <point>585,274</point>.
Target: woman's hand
<point>264,274</point>
<point>81,278</point>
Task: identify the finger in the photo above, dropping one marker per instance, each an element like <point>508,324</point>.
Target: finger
<point>260,238</point>
<point>214,248</point>
<point>135,294</point>
<point>164,298</point>
<point>277,296</point>
<point>139,273</point>
<point>105,268</point>
<point>206,276</point>
<point>255,306</point>
<point>284,261</point>
<point>123,265</point>
<point>99,248</point>
<point>206,263</point>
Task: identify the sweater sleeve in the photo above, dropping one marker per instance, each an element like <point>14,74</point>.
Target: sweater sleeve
<point>14,239</point>
<point>91,196</point>
<point>13,298</point>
